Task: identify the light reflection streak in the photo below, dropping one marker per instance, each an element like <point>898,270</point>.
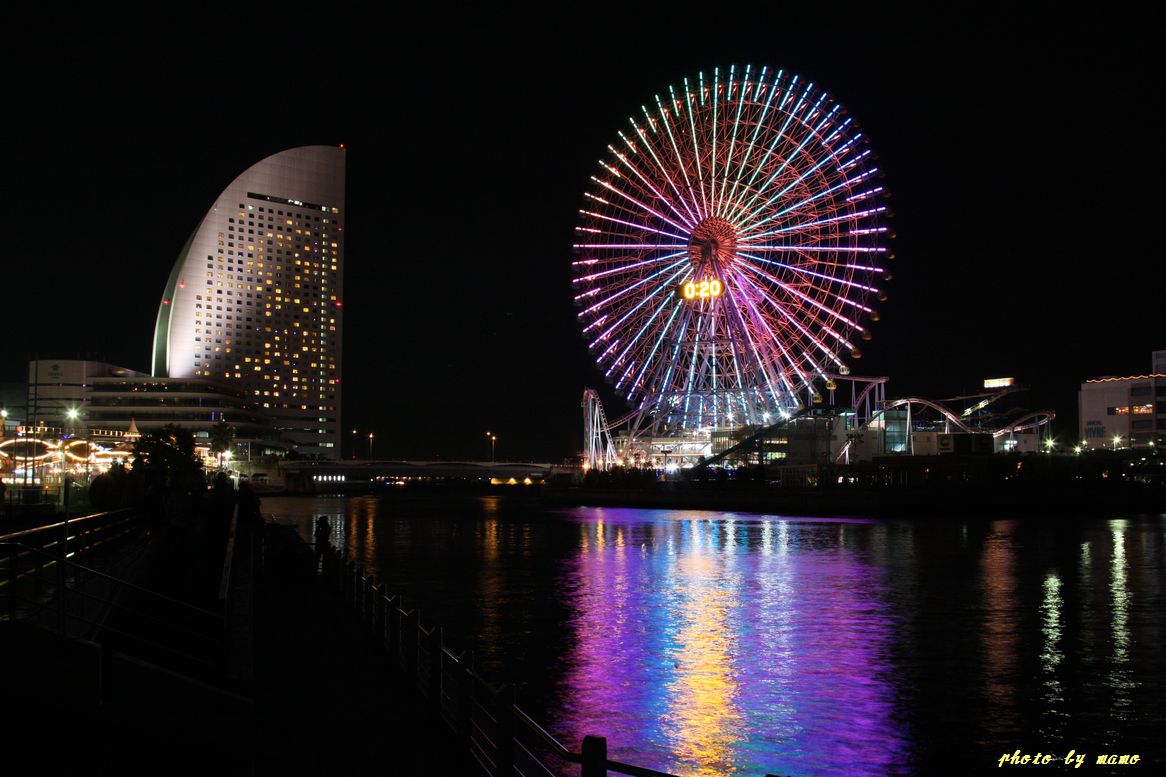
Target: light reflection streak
<point>1120,675</point>
<point>1051,629</point>
<point>998,572</point>
<point>1120,595</point>
<point>702,723</point>
<point>703,656</point>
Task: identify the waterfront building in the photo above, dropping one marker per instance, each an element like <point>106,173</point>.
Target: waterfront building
<point>255,298</point>
<point>1125,412</point>
<point>104,402</point>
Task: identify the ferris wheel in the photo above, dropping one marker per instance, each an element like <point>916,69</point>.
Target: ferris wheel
<point>729,249</point>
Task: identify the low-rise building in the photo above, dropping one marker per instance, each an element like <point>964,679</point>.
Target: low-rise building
<point>1125,412</point>
<point>100,401</point>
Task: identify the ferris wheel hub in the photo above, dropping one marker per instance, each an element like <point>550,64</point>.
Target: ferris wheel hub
<point>712,246</point>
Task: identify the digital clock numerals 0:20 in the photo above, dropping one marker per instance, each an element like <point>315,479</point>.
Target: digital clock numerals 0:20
<point>705,289</point>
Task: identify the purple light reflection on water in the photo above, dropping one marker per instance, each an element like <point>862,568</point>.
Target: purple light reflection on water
<point>704,646</point>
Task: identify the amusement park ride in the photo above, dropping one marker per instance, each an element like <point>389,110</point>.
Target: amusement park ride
<point>729,253</point>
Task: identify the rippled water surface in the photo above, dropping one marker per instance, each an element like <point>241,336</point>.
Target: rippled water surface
<point>708,643</point>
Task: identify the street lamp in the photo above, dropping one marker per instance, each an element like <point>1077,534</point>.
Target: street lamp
<point>1116,440</point>
<point>370,436</point>
<point>492,438</point>
<point>354,431</point>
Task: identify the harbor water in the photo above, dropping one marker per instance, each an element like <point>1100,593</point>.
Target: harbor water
<point>715,643</point>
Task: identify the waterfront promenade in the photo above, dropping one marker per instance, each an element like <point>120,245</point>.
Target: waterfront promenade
<point>312,695</point>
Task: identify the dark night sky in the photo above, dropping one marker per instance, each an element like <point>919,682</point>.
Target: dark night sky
<point>1022,156</point>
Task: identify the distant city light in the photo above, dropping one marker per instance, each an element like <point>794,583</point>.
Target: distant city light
<point>998,382</point>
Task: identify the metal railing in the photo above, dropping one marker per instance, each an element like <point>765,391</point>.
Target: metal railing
<point>43,582</point>
<point>501,738</point>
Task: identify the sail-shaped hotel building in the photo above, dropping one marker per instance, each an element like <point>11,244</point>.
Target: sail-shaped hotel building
<point>255,299</point>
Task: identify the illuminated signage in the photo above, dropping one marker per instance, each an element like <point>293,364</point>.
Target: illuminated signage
<point>998,382</point>
<point>706,289</point>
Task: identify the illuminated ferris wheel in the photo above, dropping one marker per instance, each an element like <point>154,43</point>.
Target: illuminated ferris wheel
<point>728,250</point>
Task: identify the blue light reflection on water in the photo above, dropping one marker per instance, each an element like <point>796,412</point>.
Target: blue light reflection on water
<point>735,645</point>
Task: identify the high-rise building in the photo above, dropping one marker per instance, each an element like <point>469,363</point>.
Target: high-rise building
<point>255,298</point>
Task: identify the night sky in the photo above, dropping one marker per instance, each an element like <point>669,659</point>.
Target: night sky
<point>1022,155</point>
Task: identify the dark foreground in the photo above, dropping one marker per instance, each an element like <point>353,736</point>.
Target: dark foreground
<point>320,699</point>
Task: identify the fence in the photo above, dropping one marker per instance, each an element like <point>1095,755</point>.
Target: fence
<point>501,738</point>
<point>44,582</point>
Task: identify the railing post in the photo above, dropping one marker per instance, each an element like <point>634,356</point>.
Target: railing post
<point>594,756</point>
<point>61,581</point>
<point>13,557</point>
<point>370,587</point>
<point>358,594</point>
<point>393,630</point>
<point>105,673</point>
<point>412,620</point>
<point>504,737</point>
<point>465,702</point>
<point>376,619</point>
<point>434,688</point>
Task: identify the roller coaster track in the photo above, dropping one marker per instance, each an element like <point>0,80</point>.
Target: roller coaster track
<point>1030,421</point>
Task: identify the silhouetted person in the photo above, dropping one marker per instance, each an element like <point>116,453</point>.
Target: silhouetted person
<point>323,532</point>
<point>249,513</point>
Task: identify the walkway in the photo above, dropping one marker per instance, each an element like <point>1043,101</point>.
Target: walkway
<point>320,699</point>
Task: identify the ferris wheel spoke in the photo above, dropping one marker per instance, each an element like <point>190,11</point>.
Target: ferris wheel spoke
<point>733,138</point>
<point>693,217</point>
<point>810,135</point>
<point>805,173</point>
<point>660,339</point>
<point>632,224</point>
<point>647,185</point>
<point>680,162</point>
<point>627,268</point>
<point>789,288</point>
<point>639,334</point>
<point>812,273</point>
<point>621,207</point>
<point>632,246</point>
<point>642,185</point>
<point>778,137</point>
<point>691,370</point>
<point>800,326</point>
<point>698,157</point>
<point>801,226</point>
<point>642,206</point>
<point>744,303</point>
<point>761,364</point>
<point>625,290</point>
<point>758,124</point>
<point>847,184</point>
<point>607,332</point>
<point>713,155</point>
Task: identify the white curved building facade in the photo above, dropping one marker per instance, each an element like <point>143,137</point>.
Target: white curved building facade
<point>255,299</point>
